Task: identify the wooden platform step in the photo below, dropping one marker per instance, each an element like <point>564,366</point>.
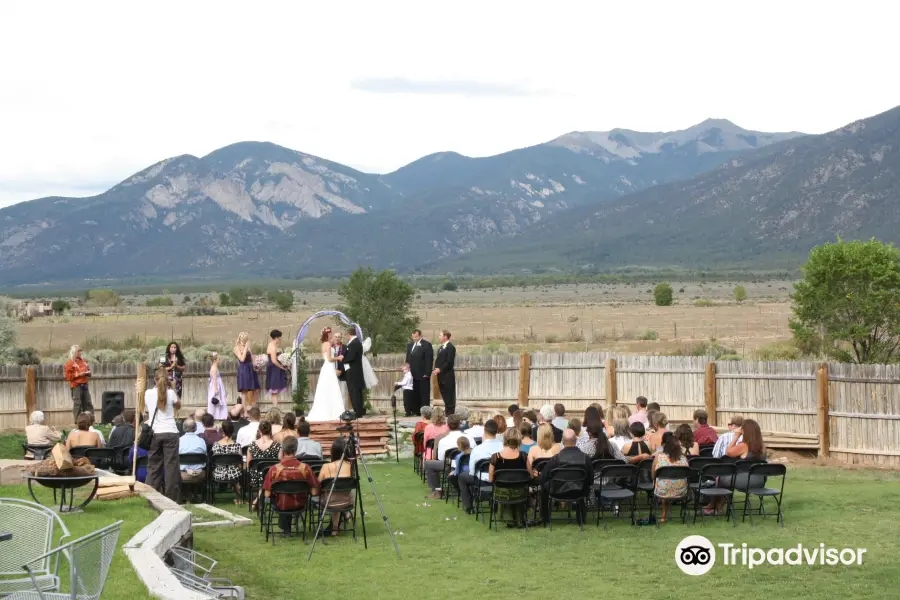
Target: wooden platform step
<point>373,434</point>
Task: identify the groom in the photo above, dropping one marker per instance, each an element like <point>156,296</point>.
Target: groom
<point>339,349</point>
<point>353,373</point>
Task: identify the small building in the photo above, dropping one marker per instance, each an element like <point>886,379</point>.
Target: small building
<point>35,308</point>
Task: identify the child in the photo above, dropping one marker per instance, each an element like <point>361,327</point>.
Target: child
<point>465,447</point>
<point>406,384</point>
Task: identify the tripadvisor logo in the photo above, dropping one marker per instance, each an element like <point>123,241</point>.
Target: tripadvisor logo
<point>696,555</point>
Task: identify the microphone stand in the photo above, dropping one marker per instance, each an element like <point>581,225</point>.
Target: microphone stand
<point>396,439</point>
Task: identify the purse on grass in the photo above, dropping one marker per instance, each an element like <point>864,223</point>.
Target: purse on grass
<point>146,437</point>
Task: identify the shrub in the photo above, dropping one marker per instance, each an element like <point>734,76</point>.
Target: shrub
<point>284,300</point>
<point>663,295</point>
<point>778,351</point>
<point>649,336</point>
<point>704,302</point>
<point>60,306</point>
<point>740,293</point>
<point>103,298</point>
<point>199,311</point>
<point>160,301</point>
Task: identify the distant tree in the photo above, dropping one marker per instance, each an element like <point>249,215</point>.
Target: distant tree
<point>663,294</point>
<point>224,299</point>
<point>848,304</point>
<point>449,286</point>
<point>103,298</point>
<point>160,301</point>
<point>283,299</point>
<point>186,299</point>
<point>60,306</point>
<point>7,339</point>
<point>381,303</point>
<point>26,356</point>
<point>238,296</point>
<point>740,293</point>
<point>256,292</point>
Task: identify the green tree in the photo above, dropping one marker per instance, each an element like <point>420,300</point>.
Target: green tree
<point>103,298</point>
<point>663,294</point>
<point>256,292</point>
<point>300,396</point>
<point>449,286</point>
<point>283,299</point>
<point>224,299</point>
<point>381,303</point>
<point>60,306</point>
<point>160,301</point>
<point>848,304</point>
<point>7,339</point>
<point>740,293</point>
<point>238,297</point>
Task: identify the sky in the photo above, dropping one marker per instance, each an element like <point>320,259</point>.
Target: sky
<point>92,92</point>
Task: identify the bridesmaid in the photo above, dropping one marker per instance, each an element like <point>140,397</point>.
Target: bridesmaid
<point>247,380</point>
<point>219,410</point>
<point>276,375</point>
<point>175,365</point>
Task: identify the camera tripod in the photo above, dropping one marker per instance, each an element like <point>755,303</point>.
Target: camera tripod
<point>353,452</point>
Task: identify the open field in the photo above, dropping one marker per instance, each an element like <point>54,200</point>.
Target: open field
<point>615,317</point>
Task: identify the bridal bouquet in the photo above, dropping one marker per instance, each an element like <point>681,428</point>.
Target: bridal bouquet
<point>260,362</point>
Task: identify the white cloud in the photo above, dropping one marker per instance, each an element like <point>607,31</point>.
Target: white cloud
<point>104,89</point>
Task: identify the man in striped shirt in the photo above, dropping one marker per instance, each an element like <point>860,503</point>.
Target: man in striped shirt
<point>725,439</point>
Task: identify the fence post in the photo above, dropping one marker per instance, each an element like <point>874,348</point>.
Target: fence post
<point>711,400</point>
<point>524,379</point>
<point>612,392</point>
<point>30,392</point>
<point>822,398</point>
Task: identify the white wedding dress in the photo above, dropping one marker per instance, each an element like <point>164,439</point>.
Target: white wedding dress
<point>328,401</point>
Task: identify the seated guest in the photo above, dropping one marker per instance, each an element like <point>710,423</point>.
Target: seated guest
<point>191,443</point>
<point>597,445</point>
<point>501,423</point>
<point>228,473</point>
<point>560,421</point>
<point>659,426</point>
<point>236,416</point>
<point>344,500</point>
<point>618,412</point>
<point>117,421</point>
<point>247,434</point>
<point>527,442</point>
<point>438,426</point>
<point>545,415</point>
<point>465,449</point>
<point>543,448</point>
<point>83,436</point>
<point>463,413</point>
<point>510,420</point>
<point>123,434</point>
<point>305,445</point>
<point>575,425</point>
<point>723,442</point>
<point>289,428</point>
<point>510,458</point>
<point>476,425</point>
<point>434,467</point>
<point>39,434</point>
<point>517,417</point>
<point>274,418</point>
<point>703,433</point>
<point>640,413</point>
<point>141,473</point>
<point>569,456</point>
<point>289,469</point>
<point>592,413</point>
<point>653,406</point>
<point>421,424</point>
<point>666,489</point>
<point>746,444</point>
<point>485,450</point>
<point>198,421</point>
<point>210,434</point>
<point>686,437</point>
<point>95,430</point>
<point>636,449</point>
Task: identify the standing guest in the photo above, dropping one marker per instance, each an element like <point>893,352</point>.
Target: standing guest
<point>228,473</point>
<point>210,434</point>
<point>723,442</point>
<point>636,449</point>
<point>276,374</point>
<point>163,456</point>
<point>236,416</point>
<point>658,427</point>
<point>559,420</point>
<point>501,424</point>
<point>703,433</point>
<point>406,384</point>
<point>686,437</point>
<point>485,450</point>
<point>568,456</point>
<point>305,445</point>
<point>38,434</point>
<point>667,489</point>
<point>289,428</point>
<point>77,373</point>
<point>216,397</point>
<point>247,380</point>
<point>290,469</point>
<point>544,448</point>
<point>527,441</point>
<point>198,420</point>
<point>263,448</point>
<point>247,434</point>
<point>274,419</point>
<point>191,443</point>
<point>83,436</point>
<point>437,427</point>
<point>476,425</point>
<point>621,433</point>
<point>123,435</point>
<point>640,412</point>
<point>420,356</point>
<point>444,371</point>
<point>175,365</point>
<point>512,411</point>
<point>510,458</point>
<point>421,424</point>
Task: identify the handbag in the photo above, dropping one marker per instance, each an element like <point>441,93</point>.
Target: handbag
<point>214,401</point>
<point>146,437</point>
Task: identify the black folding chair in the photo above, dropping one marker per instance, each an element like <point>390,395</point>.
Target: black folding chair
<point>599,463</point>
<point>298,515</point>
<point>706,450</point>
<point>696,463</point>
<point>449,455</point>
<point>102,458</point>
<point>313,462</point>
<point>463,463</point>
<point>481,489</point>
<point>478,441</point>
<point>621,485</point>
<point>429,445</point>
<point>195,459</point>
<point>568,485</point>
<point>765,471</point>
<point>418,440</point>
<point>510,479</point>
<point>672,474</point>
<point>225,460</point>
<point>341,484</point>
<point>742,479</point>
<point>79,451</point>
<point>261,466</point>
<point>537,465</point>
<point>726,474</point>
<point>121,466</point>
<point>38,451</point>
<point>645,479</point>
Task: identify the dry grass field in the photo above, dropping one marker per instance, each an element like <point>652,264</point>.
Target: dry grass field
<point>614,317</point>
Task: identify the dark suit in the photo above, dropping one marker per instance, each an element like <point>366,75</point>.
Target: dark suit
<point>421,363</point>
<point>353,375</point>
<point>445,361</point>
<point>340,351</point>
<point>567,457</point>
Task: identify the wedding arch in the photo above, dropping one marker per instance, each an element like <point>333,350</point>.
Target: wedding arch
<point>302,333</point>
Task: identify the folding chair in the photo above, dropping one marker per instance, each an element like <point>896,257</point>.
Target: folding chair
<point>80,451</point>
<point>341,484</point>
<point>481,489</point>
<point>313,462</point>
<point>766,471</point>
<point>261,466</point>
<point>478,441</point>
<point>195,458</point>
<point>37,529</point>
<point>696,463</point>
<point>568,485</point>
<point>620,485</point>
<point>463,463</point>
<point>449,455</point>
<point>706,450</point>
<point>645,479</point>
<point>672,474</point>
<point>429,445</point>
<point>418,457</point>
<point>538,465</point>
<point>742,480</point>
<point>510,479</point>
<point>102,458</point>
<point>38,451</point>
<point>121,466</point>
<point>726,474</point>
<point>225,460</point>
<point>286,488</point>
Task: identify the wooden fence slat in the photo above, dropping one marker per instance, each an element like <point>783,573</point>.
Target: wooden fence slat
<point>822,397</point>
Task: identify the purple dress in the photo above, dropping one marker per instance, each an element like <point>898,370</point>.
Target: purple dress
<point>246,377</point>
<point>276,379</point>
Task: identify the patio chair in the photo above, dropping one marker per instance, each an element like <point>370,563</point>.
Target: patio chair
<point>89,559</point>
<point>36,529</point>
<point>194,571</point>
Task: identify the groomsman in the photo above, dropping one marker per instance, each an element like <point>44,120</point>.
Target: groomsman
<point>420,356</point>
<point>443,370</point>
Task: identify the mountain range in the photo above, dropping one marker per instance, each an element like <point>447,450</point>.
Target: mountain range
<point>712,194</point>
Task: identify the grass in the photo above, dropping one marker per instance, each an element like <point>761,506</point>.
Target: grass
<point>122,581</point>
<point>837,507</point>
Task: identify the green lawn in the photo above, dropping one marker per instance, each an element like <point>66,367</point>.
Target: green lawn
<point>448,558</point>
<point>135,512</point>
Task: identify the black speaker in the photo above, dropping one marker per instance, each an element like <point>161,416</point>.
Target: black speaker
<point>112,404</point>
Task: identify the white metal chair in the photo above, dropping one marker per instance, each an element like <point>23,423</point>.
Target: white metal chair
<point>193,570</point>
<point>36,529</point>
<point>89,559</point>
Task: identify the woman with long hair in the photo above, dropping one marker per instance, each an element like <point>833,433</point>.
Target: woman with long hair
<point>162,463</point>
<point>276,373</point>
<point>543,448</point>
<point>228,473</point>
<point>438,426</point>
<point>216,397</point>
<point>175,365</point>
<point>264,447</point>
<point>328,400</point>
<point>501,423</point>
<point>746,444</point>
<point>288,429</point>
<point>667,489</point>
<point>685,435</point>
<point>247,380</point>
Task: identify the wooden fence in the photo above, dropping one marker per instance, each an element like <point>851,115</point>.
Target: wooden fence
<point>850,412</point>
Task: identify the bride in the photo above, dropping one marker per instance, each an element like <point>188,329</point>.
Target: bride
<point>328,401</point>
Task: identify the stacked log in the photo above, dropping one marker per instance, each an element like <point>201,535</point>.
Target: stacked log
<point>373,433</point>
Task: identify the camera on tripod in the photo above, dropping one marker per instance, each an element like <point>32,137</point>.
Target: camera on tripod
<point>347,417</point>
